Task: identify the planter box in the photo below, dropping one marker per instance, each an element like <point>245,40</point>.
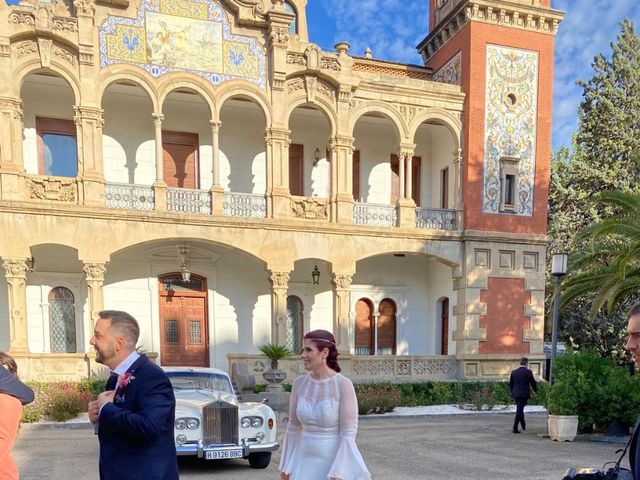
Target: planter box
<point>562,428</point>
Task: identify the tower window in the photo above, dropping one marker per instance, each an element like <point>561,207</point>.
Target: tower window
<point>508,183</point>
<point>293,28</point>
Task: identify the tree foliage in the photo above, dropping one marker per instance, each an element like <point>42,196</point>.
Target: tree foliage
<point>605,156</point>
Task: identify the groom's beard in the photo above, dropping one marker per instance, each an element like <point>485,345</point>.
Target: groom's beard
<point>104,354</point>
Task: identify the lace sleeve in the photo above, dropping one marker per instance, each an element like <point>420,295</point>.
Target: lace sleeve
<point>292,434</point>
<point>348,463</point>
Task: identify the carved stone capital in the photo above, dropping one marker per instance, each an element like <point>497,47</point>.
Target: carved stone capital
<point>85,7</point>
<point>215,125</point>
<point>157,119</point>
<point>279,36</point>
<point>88,115</point>
<point>342,282</point>
<point>15,269</point>
<point>94,272</point>
<point>279,280</point>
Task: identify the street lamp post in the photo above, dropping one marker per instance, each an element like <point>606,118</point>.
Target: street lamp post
<point>558,269</point>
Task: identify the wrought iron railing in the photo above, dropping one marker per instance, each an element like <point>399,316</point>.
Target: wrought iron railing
<point>375,214</point>
<point>188,200</point>
<point>437,218</point>
<point>129,196</point>
<point>245,205</point>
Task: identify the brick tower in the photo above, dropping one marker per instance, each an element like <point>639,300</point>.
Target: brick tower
<point>501,55</point>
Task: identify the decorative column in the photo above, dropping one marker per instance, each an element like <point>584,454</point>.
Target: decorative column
<point>89,124</point>
<point>16,275</point>
<point>159,186</point>
<point>342,148</point>
<point>406,205</point>
<point>277,142</point>
<point>11,164</point>
<point>217,192</point>
<point>457,187</point>
<point>279,287</point>
<point>94,275</point>
<point>409,188</point>
<point>341,284</point>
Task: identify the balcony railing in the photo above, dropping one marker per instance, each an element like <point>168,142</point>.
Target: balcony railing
<point>188,201</point>
<point>128,196</point>
<point>245,205</point>
<point>374,214</point>
<point>437,218</point>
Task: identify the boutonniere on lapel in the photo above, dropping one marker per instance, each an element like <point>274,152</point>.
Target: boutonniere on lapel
<point>124,381</point>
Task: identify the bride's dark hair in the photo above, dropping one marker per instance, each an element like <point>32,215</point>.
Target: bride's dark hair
<point>323,339</point>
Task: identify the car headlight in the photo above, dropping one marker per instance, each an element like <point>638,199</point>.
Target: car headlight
<point>181,423</point>
<point>245,422</point>
<point>193,423</point>
<point>256,422</point>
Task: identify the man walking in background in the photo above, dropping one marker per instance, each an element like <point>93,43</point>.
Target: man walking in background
<point>521,383</point>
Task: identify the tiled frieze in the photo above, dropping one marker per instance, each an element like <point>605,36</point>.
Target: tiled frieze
<point>510,124</point>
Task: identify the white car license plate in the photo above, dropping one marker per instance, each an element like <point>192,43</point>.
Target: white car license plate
<point>218,454</point>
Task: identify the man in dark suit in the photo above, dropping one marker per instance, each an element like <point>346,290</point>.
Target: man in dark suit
<point>633,346</point>
<point>521,382</point>
<point>134,416</point>
<point>10,385</point>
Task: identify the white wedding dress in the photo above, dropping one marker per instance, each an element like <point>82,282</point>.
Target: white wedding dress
<point>320,439</point>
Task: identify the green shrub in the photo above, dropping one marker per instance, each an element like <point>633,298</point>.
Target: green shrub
<point>66,401</point>
<point>377,397</point>
<point>38,408</point>
<point>480,399</point>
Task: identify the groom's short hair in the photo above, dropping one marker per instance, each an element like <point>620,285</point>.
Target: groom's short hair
<point>124,324</point>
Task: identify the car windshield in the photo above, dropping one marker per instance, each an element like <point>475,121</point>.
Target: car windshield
<point>195,380</point>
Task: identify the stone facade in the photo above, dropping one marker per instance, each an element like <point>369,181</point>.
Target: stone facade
<point>194,161</point>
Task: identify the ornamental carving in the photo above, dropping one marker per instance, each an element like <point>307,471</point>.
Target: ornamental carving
<point>64,54</point>
<point>295,85</point>
<point>55,189</point>
<point>95,271</point>
<point>342,282</point>
<point>309,208</point>
<point>15,269</point>
<point>296,59</point>
<point>279,279</point>
<point>326,91</point>
<point>373,368</point>
<point>450,72</point>
<point>69,25</point>
<point>22,18</point>
<point>85,7</point>
<point>330,63</point>
<point>26,48</point>
<point>279,37</point>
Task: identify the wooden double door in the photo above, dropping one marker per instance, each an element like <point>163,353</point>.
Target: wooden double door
<point>183,321</point>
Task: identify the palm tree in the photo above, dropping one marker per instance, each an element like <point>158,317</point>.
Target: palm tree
<point>609,263</point>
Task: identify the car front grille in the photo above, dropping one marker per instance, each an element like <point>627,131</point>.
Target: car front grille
<point>220,424</point>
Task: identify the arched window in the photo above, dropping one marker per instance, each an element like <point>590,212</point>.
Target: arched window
<point>293,28</point>
<point>387,327</point>
<point>364,338</point>
<point>62,320</point>
<point>295,323</point>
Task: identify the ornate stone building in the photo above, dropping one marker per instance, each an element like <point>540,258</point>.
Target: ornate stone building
<point>202,165</point>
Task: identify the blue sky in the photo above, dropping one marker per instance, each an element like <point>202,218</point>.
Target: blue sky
<point>392,29</point>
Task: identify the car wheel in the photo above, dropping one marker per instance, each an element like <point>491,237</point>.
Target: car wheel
<point>259,460</point>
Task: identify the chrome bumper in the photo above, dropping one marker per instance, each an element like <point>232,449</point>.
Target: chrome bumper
<point>199,450</point>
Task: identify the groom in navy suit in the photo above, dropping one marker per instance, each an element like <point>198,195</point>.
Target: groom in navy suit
<point>134,416</point>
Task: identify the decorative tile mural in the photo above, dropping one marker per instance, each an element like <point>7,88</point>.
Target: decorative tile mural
<point>182,35</point>
<point>450,71</point>
<point>510,124</point>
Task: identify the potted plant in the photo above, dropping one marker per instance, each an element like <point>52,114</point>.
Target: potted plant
<point>274,376</point>
<point>562,405</point>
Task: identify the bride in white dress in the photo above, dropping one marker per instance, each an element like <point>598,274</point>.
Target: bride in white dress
<point>319,443</point>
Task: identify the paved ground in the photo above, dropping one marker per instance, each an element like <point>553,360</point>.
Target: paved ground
<point>458,447</point>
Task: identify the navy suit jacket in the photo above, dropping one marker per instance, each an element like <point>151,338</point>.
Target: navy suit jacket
<point>136,431</point>
<point>521,382</point>
<point>634,452</point>
<point>14,387</point>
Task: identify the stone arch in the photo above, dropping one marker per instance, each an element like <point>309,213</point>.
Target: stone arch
<point>114,73</point>
<point>176,80</point>
<point>240,88</point>
<point>33,67</point>
<point>321,104</point>
<point>451,122</point>
<point>383,108</point>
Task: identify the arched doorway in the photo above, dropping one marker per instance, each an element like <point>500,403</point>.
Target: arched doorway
<point>386,327</point>
<point>295,323</point>
<point>184,337</point>
<point>364,336</point>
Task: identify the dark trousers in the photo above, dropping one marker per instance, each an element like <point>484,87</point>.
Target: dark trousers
<point>519,420</point>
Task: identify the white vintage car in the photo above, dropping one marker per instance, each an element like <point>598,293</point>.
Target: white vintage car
<point>212,424</point>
